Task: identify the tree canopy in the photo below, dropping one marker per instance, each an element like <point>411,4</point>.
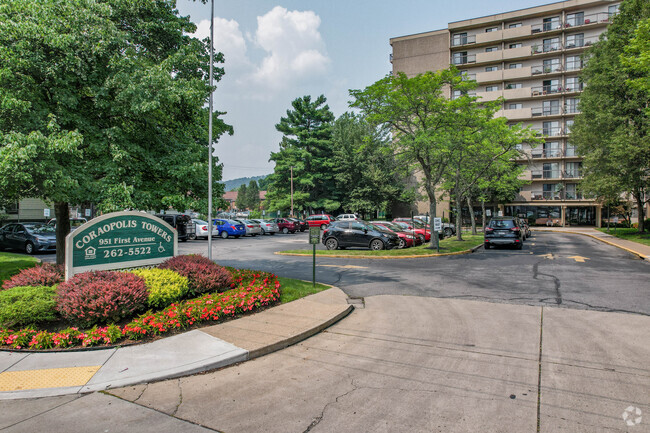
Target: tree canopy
<point>103,101</point>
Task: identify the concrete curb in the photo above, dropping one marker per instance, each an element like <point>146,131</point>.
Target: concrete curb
<point>636,253</point>
<point>422,256</point>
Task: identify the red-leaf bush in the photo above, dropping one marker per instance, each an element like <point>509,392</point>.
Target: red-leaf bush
<point>101,296</point>
<point>204,276</point>
<point>40,275</point>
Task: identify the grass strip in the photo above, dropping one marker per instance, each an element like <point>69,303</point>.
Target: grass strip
<point>11,264</point>
<point>630,234</point>
<point>447,246</point>
<point>291,289</point>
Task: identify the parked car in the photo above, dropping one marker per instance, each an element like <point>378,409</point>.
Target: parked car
<point>267,226</point>
<point>29,237</point>
<point>417,227</point>
<point>252,228</point>
<point>347,217</point>
<point>320,220</point>
<point>75,223</point>
<point>181,222</point>
<point>343,234</point>
<point>448,229</point>
<point>285,225</point>
<point>406,239</point>
<point>201,230</point>
<point>227,228</point>
<point>301,224</point>
<point>504,231</point>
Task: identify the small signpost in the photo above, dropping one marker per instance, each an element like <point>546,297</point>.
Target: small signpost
<point>437,227</point>
<point>314,239</point>
<point>488,212</point>
<point>46,213</point>
<point>119,240</point>
<point>88,213</point>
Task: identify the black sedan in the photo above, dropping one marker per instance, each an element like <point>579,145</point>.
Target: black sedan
<point>504,231</point>
<point>28,237</point>
<point>343,234</point>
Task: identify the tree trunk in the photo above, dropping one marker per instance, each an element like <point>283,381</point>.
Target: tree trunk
<point>62,213</point>
<point>459,218</point>
<point>471,215</point>
<point>483,222</point>
<point>641,216</point>
<point>432,213</point>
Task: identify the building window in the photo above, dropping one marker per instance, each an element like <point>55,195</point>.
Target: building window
<point>459,39</point>
<point>573,169</point>
<point>551,65</point>
<point>572,105</point>
<point>515,65</point>
<point>460,57</point>
<point>12,209</point>
<point>552,149</point>
<point>573,84</point>
<point>491,29</point>
<point>551,44</point>
<point>550,108</point>
<point>550,86</point>
<point>456,94</point>
<point>551,129</point>
<point>574,41</point>
<point>515,106</point>
<point>612,10</point>
<point>573,63</point>
<point>491,68</point>
<point>511,46</point>
<point>514,25</point>
<point>491,49</point>
<point>571,150</point>
<point>567,126</point>
<point>572,192</point>
<point>551,23</point>
<point>491,88</point>
<point>576,19</point>
<point>513,86</point>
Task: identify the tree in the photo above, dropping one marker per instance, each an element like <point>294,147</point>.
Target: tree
<point>242,198</point>
<point>253,196</point>
<point>367,174</point>
<point>307,147</point>
<point>636,59</point>
<point>612,130</point>
<point>103,101</point>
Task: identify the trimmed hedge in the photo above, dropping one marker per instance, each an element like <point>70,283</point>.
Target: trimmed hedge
<point>165,286</point>
<point>40,275</point>
<point>204,276</point>
<point>101,296</point>
<point>27,305</point>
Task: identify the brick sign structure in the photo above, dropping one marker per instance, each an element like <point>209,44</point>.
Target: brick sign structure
<point>119,240</point>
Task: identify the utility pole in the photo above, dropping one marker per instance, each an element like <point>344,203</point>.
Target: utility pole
<point>292,191</point>
<point>210,149</point>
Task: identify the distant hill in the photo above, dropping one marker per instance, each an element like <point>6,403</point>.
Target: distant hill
<point>231,185</point>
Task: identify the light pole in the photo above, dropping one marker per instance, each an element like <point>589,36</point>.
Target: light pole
<point>292,191</point>
<point>210,149</point>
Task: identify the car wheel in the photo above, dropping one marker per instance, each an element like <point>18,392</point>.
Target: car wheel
<point>224,235</point>
<point>192,237</point>
<point>402,243</point>
<point>422,239</point>
<point>285,230</point>
<point>376,245</point>
<point>236,236</point>
<point>271,233</point>
<point>519,246</point>
<point>323,226</point>
<point>448,232</point>
<point>487,246</point>
<point>331,244</point>
<point>29,248</point>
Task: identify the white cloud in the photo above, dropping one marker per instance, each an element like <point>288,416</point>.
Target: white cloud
<point>228,39</point>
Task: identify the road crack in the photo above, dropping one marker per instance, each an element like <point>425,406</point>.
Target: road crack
<point>180,397</point>
<point>319,418</point>
<point>556,281</point>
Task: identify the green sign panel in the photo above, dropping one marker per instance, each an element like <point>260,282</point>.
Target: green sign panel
<point>119,240</point>
<point>314,235</point>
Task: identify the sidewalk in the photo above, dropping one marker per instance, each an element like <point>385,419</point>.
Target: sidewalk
<point>643,251</point>
<point>30,375</point>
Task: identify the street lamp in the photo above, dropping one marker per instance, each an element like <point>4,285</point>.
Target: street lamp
<point>210,149</point>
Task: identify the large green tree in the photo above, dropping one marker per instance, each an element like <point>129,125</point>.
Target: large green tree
<point>242,197</point>
<point>366,173</point>
<point>612,130</point>
<point>253,195</point>
<point>307,147</point>
<point>103,101</point>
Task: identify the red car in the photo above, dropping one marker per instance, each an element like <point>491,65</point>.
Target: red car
<point>285,225</point>
<point>420,231</point>
<point>320,220</point>
<point>406,239</point>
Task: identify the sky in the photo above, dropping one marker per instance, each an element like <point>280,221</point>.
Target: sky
<point>277,51</point>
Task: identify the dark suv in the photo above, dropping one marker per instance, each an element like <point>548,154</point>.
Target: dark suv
<point>343,234</point>
<point>182,223</point>
<point>504,231</point>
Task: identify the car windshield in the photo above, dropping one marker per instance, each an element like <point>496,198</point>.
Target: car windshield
<point>380,228</point>
<point>393,226</point>
<point>402,224</point>
<point>502,224</point>
<point>40,229</point>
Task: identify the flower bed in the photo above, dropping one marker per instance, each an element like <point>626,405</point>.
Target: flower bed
<point>252,290</point>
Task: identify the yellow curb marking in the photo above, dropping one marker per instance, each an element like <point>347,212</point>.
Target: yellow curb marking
<point>579,259</point>
<point>340,256</point>
<point>346,266</point>
<point>46,378</point>
<point>548,256</point>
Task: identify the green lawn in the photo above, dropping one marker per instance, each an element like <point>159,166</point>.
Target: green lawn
<point>629,235</point>
<point>449,245</point>
<point>11,264</point>
<point>291,289</point>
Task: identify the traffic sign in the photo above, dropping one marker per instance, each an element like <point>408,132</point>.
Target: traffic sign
<point>437,224</point>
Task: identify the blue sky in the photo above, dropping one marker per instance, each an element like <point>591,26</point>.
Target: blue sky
<point>277,51</point>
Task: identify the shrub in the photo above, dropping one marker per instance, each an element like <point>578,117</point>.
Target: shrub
<point>40,275</point>
<point>27,305</point>
<point>204,276</point>
<point>165,286</point>
<point>101,296</point>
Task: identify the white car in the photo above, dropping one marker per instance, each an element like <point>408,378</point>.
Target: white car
<point>267,226</point>
<point>202,230</point>
<point>253,228</point>
<point>347,217</point>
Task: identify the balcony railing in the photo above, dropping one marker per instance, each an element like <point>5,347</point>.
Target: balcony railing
<point>550,132</point>
<point>571,152</point>
<point>546,69</point>
<point>468,77</point>
<point>545,90</point>
<point>458,41</point>
<point>547,47</point>
<point>546,27</point>
<point>579,87</point>
<point>602,17</point>
<point>555,195</point>
<point>546,153</point>
<point>572,174</point>
<point>462,60</point>
<point>571,109</point>
<point>579,42</point>
<point>546,174</point>
<point>545,111</point>
<point>575,65</point>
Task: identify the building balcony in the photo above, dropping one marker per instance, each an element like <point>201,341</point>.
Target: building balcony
<point>557,68</point>
<point>571,109</point>
<point>503,55</point>
<point>463,60</point>
<point>546,111</point>
<point>551,47</point>
<point>550,132</point>
<point>546,153</point>
<point>511,94</point>
<point>489,96</point>
<point>556,195</point>
<point>514,114</point>
<point>602,18</point>
<point>575,43</point>
<point>546,175</point>
<point>545,90</point>
<point>517,73</point>
<point>489,77</point>
<point>573,174</point>
<point>462,40</point>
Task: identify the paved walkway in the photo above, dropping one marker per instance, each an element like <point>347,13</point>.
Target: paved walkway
<point>28,375</point>
<point>640,250</point>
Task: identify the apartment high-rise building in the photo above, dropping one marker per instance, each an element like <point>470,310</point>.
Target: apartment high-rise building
<point>532,58</point>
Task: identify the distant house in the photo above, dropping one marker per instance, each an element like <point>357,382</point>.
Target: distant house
<point>231,198</point>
